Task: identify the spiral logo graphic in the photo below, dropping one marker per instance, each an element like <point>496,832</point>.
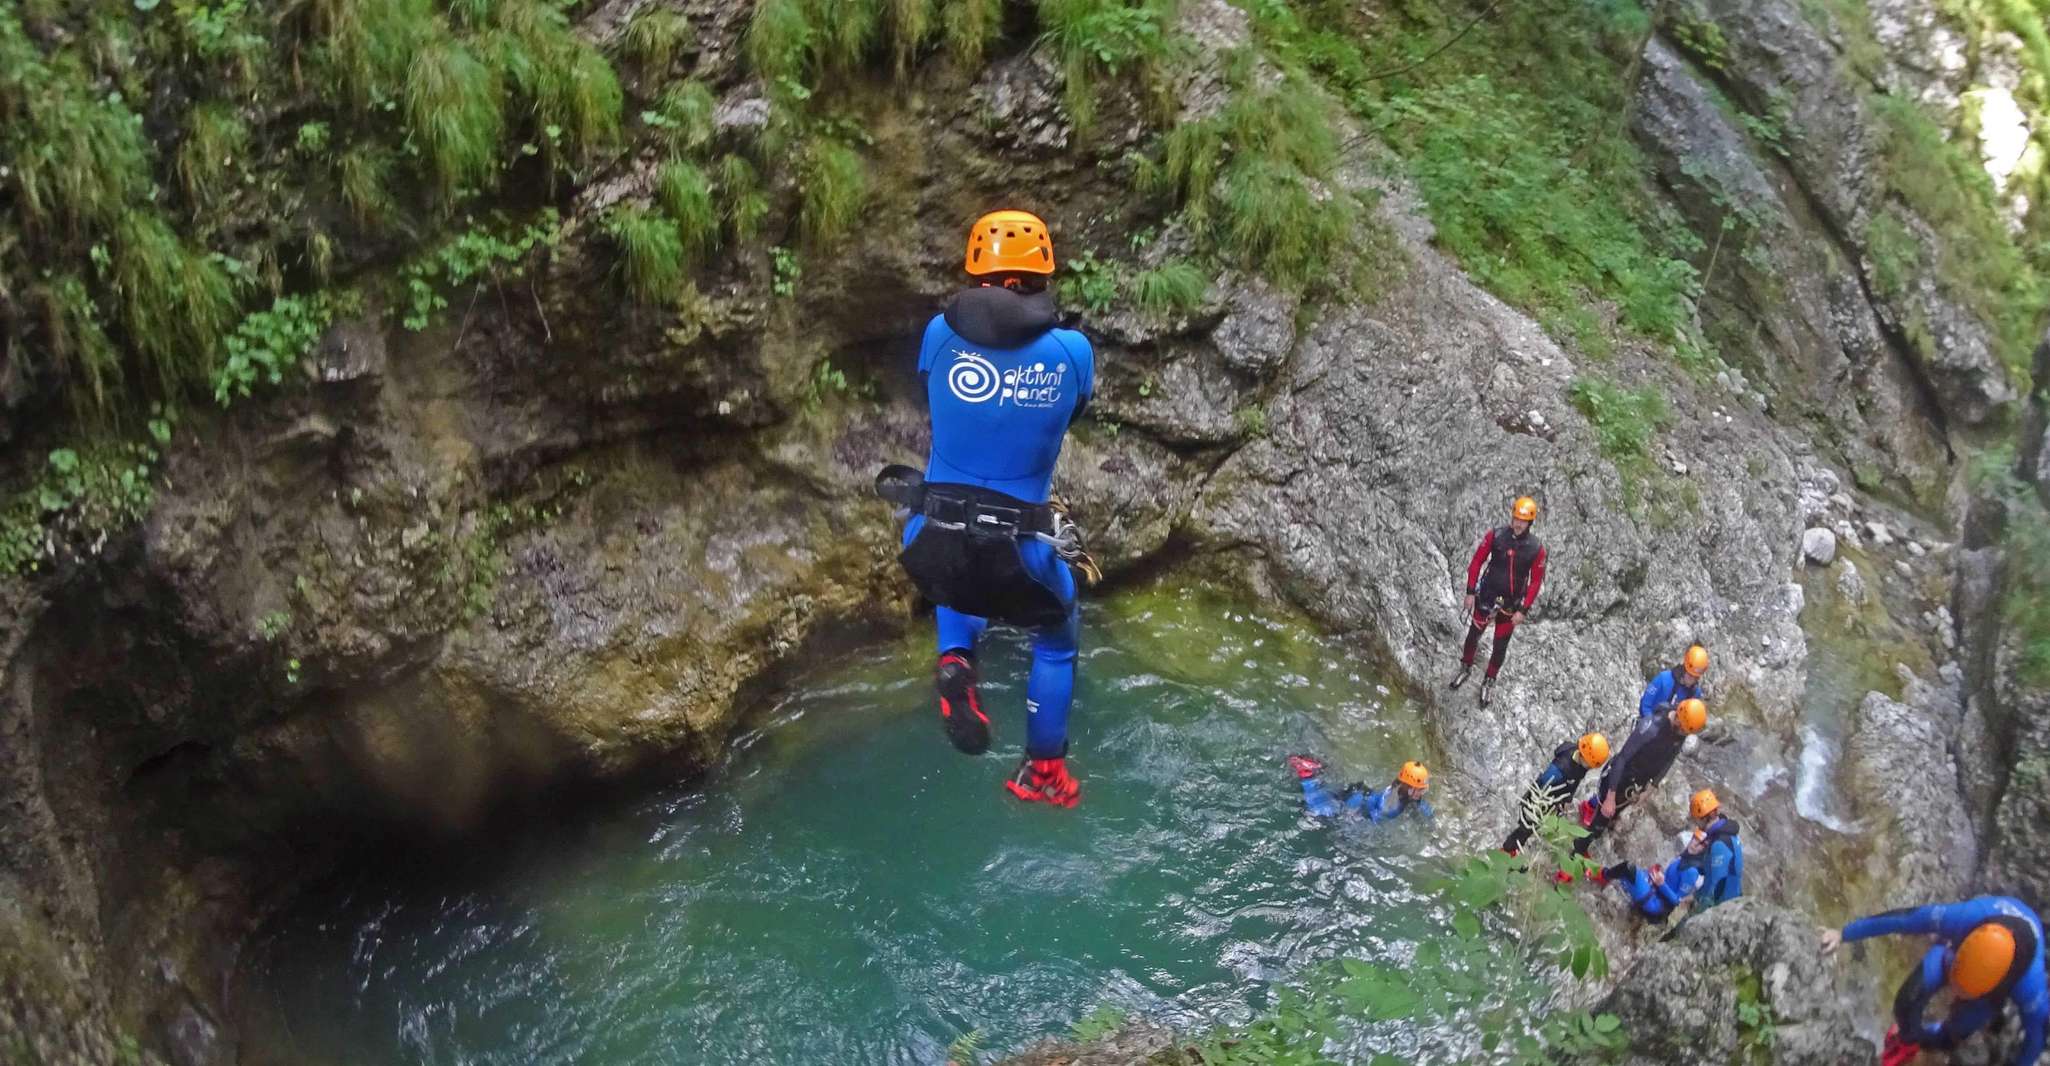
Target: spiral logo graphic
<point>972,378</point>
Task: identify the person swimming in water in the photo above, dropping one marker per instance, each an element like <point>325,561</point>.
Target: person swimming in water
<point>1404,795</point>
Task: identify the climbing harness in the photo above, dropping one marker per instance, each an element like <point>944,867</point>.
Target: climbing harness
<point>966,557</point>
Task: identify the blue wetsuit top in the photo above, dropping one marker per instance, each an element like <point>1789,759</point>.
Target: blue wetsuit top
<point>1951,922</point>
<point>1003,384</point>
<point>1664,691</point>
<point>1387,804</point>
<point>1722,866</point>
<point>1682,877</point>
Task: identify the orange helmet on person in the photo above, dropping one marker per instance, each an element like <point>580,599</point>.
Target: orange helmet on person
<point>1415,776</point>
<point>1525,509</point>
<point>1594,749</point>
<point>1691,716</point>
<point>1007,242</point>
<point>1696,660</point>
<point>1703,804</point>
<point>1983,959</point>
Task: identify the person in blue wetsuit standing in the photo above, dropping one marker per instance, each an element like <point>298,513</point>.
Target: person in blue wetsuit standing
<point>1404,795</point>
<point>984,542</point>
<point>1671,686</point>
<point>1989,950</point>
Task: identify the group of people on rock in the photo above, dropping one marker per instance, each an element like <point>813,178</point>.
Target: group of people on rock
<point>1989,950</point>
<point>984,540</point>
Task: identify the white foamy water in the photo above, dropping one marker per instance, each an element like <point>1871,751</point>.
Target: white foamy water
<point>1813,798</point>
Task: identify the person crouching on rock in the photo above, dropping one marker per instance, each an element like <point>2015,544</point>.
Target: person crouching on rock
<point>1671,685</point>
<point>1989,951</point>
<point>1659,891</point>
<point>1404,795</point>
<point>1646,756</point>
<point>1502,583</point>
<point>1555,786</point>
<point>1722,867</point>
<point>1003,385</point>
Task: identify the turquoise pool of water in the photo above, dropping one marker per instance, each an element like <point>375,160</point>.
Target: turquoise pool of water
<point>845,888</point>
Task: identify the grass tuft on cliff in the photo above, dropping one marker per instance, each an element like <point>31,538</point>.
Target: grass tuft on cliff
<point>685,194</point>
<point>651,253</point>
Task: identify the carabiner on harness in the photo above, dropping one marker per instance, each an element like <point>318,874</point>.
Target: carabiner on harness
<point>1066,542</point>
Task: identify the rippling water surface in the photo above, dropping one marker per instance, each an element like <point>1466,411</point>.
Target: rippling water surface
<point>847,889</point>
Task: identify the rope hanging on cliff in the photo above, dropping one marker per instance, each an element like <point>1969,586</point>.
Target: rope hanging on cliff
<point>1440,50</point>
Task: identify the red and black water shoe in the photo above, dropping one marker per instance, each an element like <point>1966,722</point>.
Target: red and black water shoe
<point>1045,781</point>
<point>960,707</point>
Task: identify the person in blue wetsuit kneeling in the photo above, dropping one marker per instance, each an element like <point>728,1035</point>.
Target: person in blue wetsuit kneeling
<point>1404,795</point>
<point>1989,951</point>
<point>984,542</point>
<point>1659,891</point>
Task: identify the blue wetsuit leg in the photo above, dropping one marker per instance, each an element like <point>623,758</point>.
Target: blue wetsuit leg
<point>1050,691</point>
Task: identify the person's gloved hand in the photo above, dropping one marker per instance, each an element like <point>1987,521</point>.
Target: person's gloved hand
<point>1609,805</point>
<point>1469,605</point>
<point>1831,940</point>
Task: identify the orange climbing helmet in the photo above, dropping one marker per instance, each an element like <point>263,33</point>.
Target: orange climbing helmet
<point>1524,510</point>
<point>1704,804</point>
<point>1983,959</point>
<point>1415,776</point>
<point>1594,749</point>
<point>1003,242</point>
<point>1693,715</point>
<point>1696,660</point>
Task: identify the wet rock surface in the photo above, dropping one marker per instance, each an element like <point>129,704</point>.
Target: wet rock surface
<point>1679,1002</point>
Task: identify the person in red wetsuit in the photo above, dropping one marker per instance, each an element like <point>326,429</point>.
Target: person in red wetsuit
<point>1502,583</point>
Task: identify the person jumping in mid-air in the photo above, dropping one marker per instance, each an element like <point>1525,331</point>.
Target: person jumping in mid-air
<point>1653,745</point>
<point>983,542</point>
<point>1502,583</point>
<point>1552,792</point>
<point>1673,684</point>
<point>1989,951</point>
<point>1404,795</point>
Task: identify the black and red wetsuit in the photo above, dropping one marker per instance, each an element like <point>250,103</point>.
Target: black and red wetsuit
<point>1654,744</point>
<point>1504,577</point>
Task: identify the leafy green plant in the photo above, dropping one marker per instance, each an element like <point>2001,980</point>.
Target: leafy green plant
<point>273,625</point>
<point>787,271</point>
<point>651,252</point>
<point>1176,287</point>
<point>489,252</point>
<point>969,27</point>
<point>80,497</point>
<point>1088,282</point>
<point>966,1048</point>
<point>268,342</point>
